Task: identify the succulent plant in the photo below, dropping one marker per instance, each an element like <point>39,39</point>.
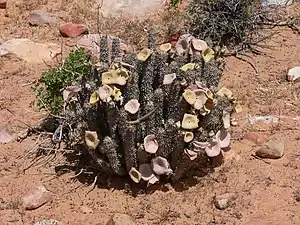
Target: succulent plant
<point>144,115</point>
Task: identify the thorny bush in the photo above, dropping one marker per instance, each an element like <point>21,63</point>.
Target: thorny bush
<point>224,22</point>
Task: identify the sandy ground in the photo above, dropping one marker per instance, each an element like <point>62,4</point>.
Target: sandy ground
<point>265,189</point>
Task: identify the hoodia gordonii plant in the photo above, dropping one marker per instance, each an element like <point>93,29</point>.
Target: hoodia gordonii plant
<point>149,115</point>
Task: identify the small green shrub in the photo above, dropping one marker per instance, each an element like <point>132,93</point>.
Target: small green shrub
<point>48,89</point>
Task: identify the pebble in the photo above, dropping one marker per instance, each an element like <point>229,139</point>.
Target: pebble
<point>224,201</point>
<point>121,219</point>
<point>3,4</point>
<point>29,51</point>
<point>6,134</point>
<point>257,137</point>
<point>293,74</point>
<point>271,150</point>
<point>47,222</point>
<point>36,197</point>
<point>36,18</point>
<point>72,30</point>
<point>233,122</point>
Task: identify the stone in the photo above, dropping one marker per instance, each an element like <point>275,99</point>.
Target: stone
<point>271,150</point>
<point>224,201</point>
<point>257,137</point>
<point>36,18</point>
<point>6,134</point>
<point>36,197</point>
<point>29,51</point>
<point>90,42</point>
<point>294,74</point>
<point>3,4</point>
<point>47,222</point>
<point>121,219</point>
<point>72,30</point>
<point>277,2</point>
<point>139,8</point>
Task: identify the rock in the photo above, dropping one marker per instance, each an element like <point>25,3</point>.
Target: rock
<point>271,150</point>
<point>224,201</point>
<point>39,18</point>
<point>47,222</point>
<point>3,4</point>
<point>86,210</point>
<point>257,137</point>
<point>120,219</point>
<point>139,8</point>
<point>72,30</point>
<point>277,2</point>
<point>29,51</point>
<point>36,197</point>
<point>89,42</point>
<point>6,134</point>
<point>294,74</point>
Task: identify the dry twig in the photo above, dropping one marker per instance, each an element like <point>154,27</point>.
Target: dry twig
<point>256,157</point>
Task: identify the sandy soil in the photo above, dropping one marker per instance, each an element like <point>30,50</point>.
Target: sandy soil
<point>265,189</point>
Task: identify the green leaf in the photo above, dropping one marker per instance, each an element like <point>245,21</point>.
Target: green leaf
<point>48,89</point>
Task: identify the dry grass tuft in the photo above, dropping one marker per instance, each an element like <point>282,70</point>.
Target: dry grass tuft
<point>80,11</point>
<point>131,29</point>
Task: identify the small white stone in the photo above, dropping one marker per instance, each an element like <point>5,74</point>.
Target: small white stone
<point>277,2</point>
<point>120,219</point>
<point>224,201</point>
<point>47,222</point>
<point>234,122</point>
<point>293,74</point>
<point>36,197</point>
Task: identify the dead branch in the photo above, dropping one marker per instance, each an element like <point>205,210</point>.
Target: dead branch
<point>290,24</point>
<point>256,157</point>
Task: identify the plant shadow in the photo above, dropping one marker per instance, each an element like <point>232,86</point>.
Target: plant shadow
<point>97,179</point>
